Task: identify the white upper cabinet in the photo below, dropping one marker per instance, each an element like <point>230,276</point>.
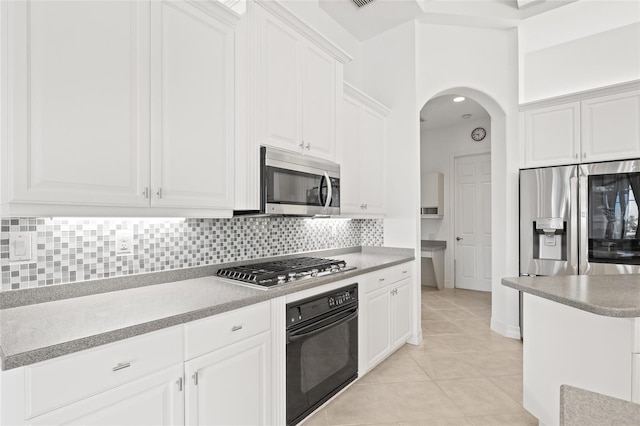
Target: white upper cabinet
<point>552,135</point>
<point>117,106</point>
<point>362,154</point>
<point>281,84</point>
<point>611,127</point>
<point>192,107</point>
<point>78,74</point>
<point>602,125</point>
<point>299,81</point>
<point>319,109</point>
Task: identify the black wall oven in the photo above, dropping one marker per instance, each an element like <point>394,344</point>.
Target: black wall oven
<point>322,349</point>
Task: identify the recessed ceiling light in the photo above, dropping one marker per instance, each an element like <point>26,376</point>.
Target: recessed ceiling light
<point>459,99</point>
<point>466,115</point>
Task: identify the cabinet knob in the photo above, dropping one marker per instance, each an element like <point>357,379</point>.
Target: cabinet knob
<point>380,279</point>
<point>236,328</point>
<point>301,144</point>
<point>459,238</point>
<point>308,146</point>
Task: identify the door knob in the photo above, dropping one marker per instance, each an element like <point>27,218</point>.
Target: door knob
<point>459,238</point>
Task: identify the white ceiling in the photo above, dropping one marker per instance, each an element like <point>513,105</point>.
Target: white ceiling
<point>382,15</point>
<point>443,112</point>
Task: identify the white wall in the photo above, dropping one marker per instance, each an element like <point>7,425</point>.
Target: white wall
<point>577,47</point>
<point>437,149</point>
<point>482,64</point>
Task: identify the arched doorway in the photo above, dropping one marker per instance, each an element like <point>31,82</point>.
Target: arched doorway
<point>504,209</point>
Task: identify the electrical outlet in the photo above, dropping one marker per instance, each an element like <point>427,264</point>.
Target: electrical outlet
<point>124,242</point>
<point>20,246</point>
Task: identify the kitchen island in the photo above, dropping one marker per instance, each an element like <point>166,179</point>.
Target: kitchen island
<point>582,331</point>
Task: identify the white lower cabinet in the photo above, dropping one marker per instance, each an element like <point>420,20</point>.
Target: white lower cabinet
<point>231,386</point>
<point>156,399</point>
<point>387,319</point>
<point>378,325</point>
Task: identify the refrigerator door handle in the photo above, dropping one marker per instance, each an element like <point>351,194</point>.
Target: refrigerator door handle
<point>583,198</point>
<point>574,219</point>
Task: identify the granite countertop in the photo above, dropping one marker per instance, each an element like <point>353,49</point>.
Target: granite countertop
<point>433,245</point>
<point>41,331</point>
<point>607,295</point>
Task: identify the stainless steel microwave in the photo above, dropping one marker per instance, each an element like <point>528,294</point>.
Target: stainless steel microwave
<point>297,185</point>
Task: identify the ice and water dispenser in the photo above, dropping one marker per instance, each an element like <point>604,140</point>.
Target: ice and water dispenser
<point>549,238</point>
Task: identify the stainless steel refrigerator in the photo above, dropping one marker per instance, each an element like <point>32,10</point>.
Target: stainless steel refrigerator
<point>580,219</point>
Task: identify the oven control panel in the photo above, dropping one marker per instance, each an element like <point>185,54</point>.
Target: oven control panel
<point>315,306</point>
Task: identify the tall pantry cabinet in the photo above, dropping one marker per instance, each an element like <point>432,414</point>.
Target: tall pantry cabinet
<point>117,104</point>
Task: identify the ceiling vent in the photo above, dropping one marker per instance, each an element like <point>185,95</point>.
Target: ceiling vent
<point>361,3</point>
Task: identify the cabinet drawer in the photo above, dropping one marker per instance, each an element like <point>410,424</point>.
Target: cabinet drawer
<point>378,279</point>
<point>63,380</point>
<point>221,330</point>
<point>400,272</point>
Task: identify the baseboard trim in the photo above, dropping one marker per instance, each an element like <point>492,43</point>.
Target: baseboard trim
<point>510,331</point>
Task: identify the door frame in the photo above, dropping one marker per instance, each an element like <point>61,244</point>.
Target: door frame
<point>452,204</point>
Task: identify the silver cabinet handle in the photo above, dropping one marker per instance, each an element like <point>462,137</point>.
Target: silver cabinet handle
<point>380,279</point>
<point>146,192</point>
<point>404,272</point>
<point>301,145</point>
<point>159,193</point>
<point>195,378</point>
<point>236,328</point>
<point>179,382</point>
<point>121,366</point>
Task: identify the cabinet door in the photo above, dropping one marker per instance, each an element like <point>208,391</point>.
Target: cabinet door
<point>192,107</point>
<point>552,135</point>
<point>372,170</point>
<point>231,386</point>
<point>611,127</point>
<point>401,311</point>
<point>280,94</point>
<point>79,102</point>
<point>350,161</point>
<point>157,399</point>
<point>378,325</point>
<point>319,103</point>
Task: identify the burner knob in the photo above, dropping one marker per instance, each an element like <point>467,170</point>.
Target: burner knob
<point>332,301</point>
<point>282,278</point>
<point>314,272</point>
<point>292,276</point>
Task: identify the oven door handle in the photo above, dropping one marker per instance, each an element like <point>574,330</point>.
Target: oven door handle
<point>295,336</point>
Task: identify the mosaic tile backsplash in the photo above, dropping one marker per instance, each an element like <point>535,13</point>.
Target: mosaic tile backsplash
<point>77,249</point>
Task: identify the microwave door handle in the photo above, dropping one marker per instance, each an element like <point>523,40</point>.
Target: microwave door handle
<point>329,190</point>
<point>320,191</point>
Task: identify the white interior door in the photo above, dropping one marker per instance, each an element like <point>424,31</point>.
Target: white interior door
<point>472,213</point>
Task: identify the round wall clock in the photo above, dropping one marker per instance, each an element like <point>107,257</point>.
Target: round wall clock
<point>478,134</point>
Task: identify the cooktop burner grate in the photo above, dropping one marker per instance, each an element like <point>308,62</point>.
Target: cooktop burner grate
<point>268,274</point>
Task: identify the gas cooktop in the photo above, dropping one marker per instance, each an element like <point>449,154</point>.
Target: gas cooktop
<point>269,274</point>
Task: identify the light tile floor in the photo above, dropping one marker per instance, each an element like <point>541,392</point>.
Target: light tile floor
<point>462,374</point>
